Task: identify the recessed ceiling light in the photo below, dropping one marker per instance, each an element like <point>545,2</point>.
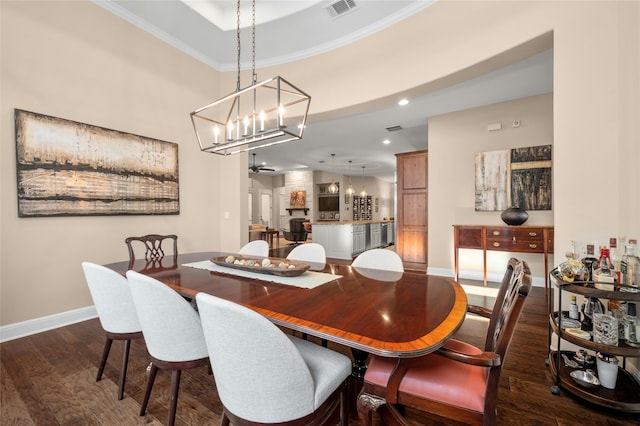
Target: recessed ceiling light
<point>386,141</point>
<point>403,102</point>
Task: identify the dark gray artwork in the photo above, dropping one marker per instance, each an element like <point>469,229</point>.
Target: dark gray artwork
<point>67,168</point>
<point>531,177</point>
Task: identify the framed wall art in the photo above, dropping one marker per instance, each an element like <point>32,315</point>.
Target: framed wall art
<point>298,199</point>
<point>66,168</point>
<point>519,177</point>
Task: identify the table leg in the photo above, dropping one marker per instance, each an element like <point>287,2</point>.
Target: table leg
<point>359,363</point>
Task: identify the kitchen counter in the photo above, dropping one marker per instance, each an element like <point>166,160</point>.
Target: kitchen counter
<point>350,222</point>
<point>347,238</point>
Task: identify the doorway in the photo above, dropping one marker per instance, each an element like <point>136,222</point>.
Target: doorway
<point>265,208</point>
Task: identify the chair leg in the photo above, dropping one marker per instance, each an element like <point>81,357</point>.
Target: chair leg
<point>225,419</point>
<point>344,408</point>
<point>123,372</point>
<point>173,403</point>
<point>147,392</point>
<point>103,361</point>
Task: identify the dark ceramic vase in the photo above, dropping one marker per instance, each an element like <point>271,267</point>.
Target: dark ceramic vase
<point>514,216</point>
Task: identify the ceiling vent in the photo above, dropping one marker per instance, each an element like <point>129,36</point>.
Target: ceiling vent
<point>394,128</point>
<point>341,7</point>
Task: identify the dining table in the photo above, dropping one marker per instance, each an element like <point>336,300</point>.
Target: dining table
<point>392,314</point>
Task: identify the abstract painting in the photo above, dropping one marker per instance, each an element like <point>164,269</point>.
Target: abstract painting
<point>519,177</point>
<point>491,180</point>
<point>66,168</point>
<point>531,177</point>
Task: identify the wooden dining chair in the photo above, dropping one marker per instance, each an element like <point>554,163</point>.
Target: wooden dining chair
<point>172,332</point>
<point>152,244</point>
<point>116,312</point>
<point>264,376</point>
<point>459,381</point>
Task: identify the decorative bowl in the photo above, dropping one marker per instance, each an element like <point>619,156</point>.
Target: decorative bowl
<point>585,378</point>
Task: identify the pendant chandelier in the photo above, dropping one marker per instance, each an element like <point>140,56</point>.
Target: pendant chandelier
<point>333,188</point>
<point>363,190</point>
<point>349,190</point>
<point>271,112</point>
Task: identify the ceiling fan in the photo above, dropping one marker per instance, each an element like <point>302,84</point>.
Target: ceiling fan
<point>257,169</point>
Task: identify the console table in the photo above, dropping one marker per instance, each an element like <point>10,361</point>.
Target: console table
<point>518,239</point>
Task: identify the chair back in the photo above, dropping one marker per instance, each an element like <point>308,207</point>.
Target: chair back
<point>260,375</point>
<point>153,246</point>
<point>515,286</point>
<point>309,252</point>
<point>170,325</point>
<point>384,259</point>
<point>112,299</point>
<point>296,232</point>
<point>257,248</point>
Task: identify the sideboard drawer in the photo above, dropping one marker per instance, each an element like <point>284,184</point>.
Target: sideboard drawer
<point>528,240</point>
<point>516,246</point>
<point>501,232</point>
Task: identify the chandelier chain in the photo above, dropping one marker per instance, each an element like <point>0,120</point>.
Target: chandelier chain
<point>253,42</point>
<point>238,43</point>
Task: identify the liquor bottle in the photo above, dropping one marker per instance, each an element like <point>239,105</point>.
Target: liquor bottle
<point>604,277</point>
<point>631,327</point>
<point>630,269</point>
<point>613,252</point>
<point>573,308</point>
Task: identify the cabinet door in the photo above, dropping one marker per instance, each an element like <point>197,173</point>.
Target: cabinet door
<point>412,214</point>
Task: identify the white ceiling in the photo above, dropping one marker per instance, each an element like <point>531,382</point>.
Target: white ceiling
<point>290,30</point>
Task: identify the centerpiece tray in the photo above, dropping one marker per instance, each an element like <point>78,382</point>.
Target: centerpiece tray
<point>292,269</point>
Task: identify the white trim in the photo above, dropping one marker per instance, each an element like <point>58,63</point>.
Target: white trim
<point>477,276</point>
<point>38,325</point>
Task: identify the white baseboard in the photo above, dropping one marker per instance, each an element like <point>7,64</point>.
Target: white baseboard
<point>477,276</point>
<point>38,325</point>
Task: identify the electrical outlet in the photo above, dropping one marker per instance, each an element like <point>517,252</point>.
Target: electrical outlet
<point>516,123</point>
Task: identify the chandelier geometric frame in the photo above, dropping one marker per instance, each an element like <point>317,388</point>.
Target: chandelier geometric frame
<point>271,112</point>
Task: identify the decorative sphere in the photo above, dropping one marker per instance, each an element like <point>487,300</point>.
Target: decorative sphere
<point>514,216</point>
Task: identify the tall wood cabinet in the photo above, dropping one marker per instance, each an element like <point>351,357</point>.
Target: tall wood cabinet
<point>412,199</point>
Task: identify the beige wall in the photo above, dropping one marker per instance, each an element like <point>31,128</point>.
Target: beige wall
<point>73,60</point>
<point>453,140</point>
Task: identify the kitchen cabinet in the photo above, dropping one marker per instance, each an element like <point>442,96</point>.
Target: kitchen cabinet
<point>412,209</point>
<point>345,240</point>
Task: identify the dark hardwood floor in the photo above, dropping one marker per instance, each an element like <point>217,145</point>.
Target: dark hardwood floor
<point>49,379</point>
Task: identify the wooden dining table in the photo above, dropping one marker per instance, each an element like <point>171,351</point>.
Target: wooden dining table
<point>391,314</point>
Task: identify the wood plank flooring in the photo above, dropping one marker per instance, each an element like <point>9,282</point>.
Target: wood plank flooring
<point>49,379</point>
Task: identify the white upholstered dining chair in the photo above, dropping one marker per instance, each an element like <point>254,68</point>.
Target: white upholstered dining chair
<point>264,376</point>
<point>384,259</point>
<point>257,248</point>
<point>116,312</point>
<point>172,331</point>
<point>312,253</point>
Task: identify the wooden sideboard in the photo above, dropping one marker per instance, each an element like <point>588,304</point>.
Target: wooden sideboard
<point>518,239</point>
